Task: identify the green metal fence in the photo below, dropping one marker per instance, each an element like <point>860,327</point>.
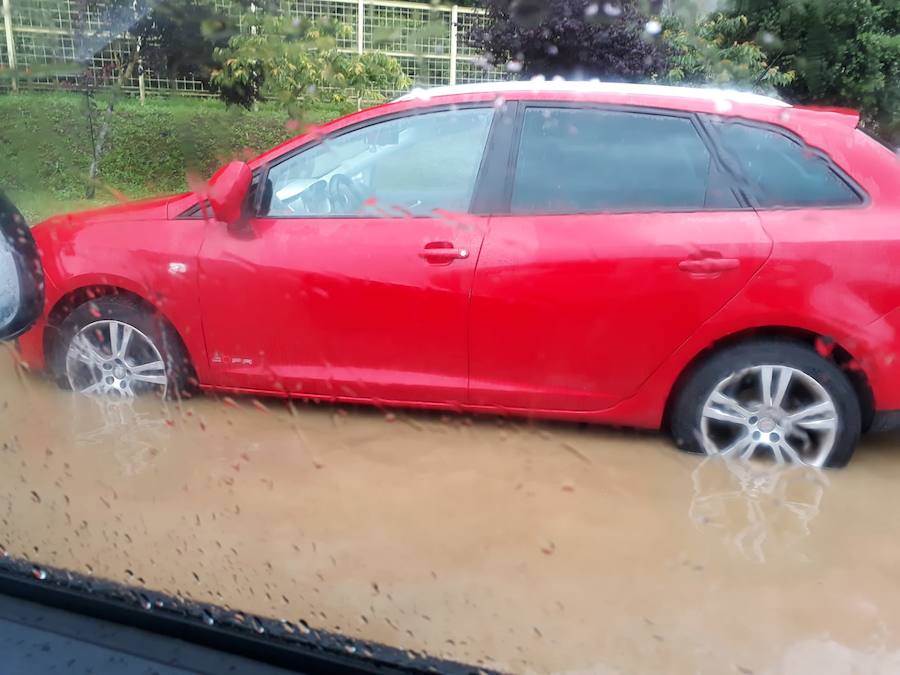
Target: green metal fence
<point>427,39</point>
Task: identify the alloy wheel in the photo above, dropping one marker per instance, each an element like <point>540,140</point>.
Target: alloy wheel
<point>112,358</point>
<point>770,410</point>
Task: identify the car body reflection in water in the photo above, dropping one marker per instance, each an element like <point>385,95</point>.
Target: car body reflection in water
<point>142,430</point>
<point>754,505</point>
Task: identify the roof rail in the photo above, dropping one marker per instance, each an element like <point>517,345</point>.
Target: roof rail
<point>595,87</point>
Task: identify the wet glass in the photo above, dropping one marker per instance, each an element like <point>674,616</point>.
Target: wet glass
<point>365,415</point>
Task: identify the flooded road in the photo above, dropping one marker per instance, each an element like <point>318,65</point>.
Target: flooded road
<point>527,547</point>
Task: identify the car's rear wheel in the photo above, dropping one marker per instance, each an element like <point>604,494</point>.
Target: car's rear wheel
<point>115,347</point>
<point>768,398</point>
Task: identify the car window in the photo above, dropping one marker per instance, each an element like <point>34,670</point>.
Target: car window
<point>600,160</point>
<point>411,164</point>
<point>781,171</point>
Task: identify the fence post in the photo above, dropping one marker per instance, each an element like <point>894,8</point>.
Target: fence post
<point>10,42</point>
<point>454,17</point>
<point>360,26</point>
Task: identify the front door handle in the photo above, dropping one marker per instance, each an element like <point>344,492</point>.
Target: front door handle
<point>708,265</point>
<point>442,253</point>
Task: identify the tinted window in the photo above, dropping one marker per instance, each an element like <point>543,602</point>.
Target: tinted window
<point>412,164</point>
<point>597,160</point>
<point>782,172</point>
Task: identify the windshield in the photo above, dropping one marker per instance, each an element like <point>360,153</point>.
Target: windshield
<point>568,347</point>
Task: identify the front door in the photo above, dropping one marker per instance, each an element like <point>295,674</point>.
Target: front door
<point>355,280</point>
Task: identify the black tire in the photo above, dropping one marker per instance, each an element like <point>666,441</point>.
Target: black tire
<point>179,372</point>
<point>685,413</point>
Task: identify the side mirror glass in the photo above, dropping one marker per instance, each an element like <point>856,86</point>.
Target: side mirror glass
<point>227,190</point>
<point>21,275</point>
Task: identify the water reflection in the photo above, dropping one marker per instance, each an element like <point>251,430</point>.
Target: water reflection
<point>141,430</point>
<point>756,505</point>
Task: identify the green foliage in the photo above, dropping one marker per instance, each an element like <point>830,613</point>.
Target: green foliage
<point>47,146</point>
<point>295,61</point>
<point>715,50</point>
<point>845,53</point>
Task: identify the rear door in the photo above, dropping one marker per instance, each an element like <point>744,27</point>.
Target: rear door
<point>622,236</point>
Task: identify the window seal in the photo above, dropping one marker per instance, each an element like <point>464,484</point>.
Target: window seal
<point>485,105</point>
<point>711,121</point>
<point>720,174</point>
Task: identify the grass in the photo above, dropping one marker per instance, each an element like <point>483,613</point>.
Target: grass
<point>46,148</point>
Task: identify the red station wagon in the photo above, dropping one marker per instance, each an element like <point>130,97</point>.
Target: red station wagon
<point>719,264</point>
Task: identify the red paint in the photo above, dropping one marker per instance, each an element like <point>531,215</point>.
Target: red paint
<point>590,317</point>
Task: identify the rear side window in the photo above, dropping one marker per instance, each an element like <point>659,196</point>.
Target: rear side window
<point>577,161</point>
<point>781,171</point>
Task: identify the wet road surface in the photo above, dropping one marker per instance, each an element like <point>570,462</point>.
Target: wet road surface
<point>527,547</point>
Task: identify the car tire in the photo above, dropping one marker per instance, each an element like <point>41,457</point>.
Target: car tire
<point>817,419</point>
<point>95,319</point>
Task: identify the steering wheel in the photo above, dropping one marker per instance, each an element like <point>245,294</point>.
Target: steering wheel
<point>343,195</point>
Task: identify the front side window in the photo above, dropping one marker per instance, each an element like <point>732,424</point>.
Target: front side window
<point>408,165</point>
<point>781,171</point>
<point>576,161</point>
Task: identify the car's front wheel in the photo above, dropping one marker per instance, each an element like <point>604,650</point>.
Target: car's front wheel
<point>114,347</point>
<point>774,398</point>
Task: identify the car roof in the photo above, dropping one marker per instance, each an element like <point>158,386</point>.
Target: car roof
<point>596,89</point>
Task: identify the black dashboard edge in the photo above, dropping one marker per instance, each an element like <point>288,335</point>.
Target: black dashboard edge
<point>270,641</point>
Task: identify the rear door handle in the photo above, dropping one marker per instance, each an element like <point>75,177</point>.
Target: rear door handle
<point>442,253</point>
<point>708,265</point>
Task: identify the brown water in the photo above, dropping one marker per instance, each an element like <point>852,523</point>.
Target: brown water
<point>529,547</point>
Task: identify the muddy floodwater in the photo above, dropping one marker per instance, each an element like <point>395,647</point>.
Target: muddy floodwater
<point>527,547</point>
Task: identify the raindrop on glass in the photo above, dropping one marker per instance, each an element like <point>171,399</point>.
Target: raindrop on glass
<point>722,105</point>
<point>653,27</point>
<point>612,9</point>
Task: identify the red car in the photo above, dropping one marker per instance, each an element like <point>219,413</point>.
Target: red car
<point>719,264</point>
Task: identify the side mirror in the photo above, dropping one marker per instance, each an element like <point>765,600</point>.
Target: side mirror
<point>227,189</point>
<point>21,275</point>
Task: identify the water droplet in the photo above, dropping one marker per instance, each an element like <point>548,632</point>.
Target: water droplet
<point>256,625</point>
<point>722,105</point>
<point>552,50</point>
<point>38,573</point>
<point>612,9</point>
<point>767,38</point>
<point>653,27</point>
<point>303,627</point>
<point>592,9</point>
<point>145,601</point>
<point>208,618</point>
<point>350,648</point>
<point>514,66</point>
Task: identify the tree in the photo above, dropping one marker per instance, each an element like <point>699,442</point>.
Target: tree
<point>714,49</point>
<point>844,53</point>
<point>177,37</point>
<point>293,61</point>
<point>572,38</point>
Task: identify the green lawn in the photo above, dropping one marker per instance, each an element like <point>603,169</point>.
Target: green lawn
<point>45,146</point>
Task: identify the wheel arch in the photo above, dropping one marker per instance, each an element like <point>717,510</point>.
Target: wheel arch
<point>74,298</point>
<point>822,344</point>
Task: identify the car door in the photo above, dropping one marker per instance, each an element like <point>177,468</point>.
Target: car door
<point>353,277</point>
<point>622,236</point>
